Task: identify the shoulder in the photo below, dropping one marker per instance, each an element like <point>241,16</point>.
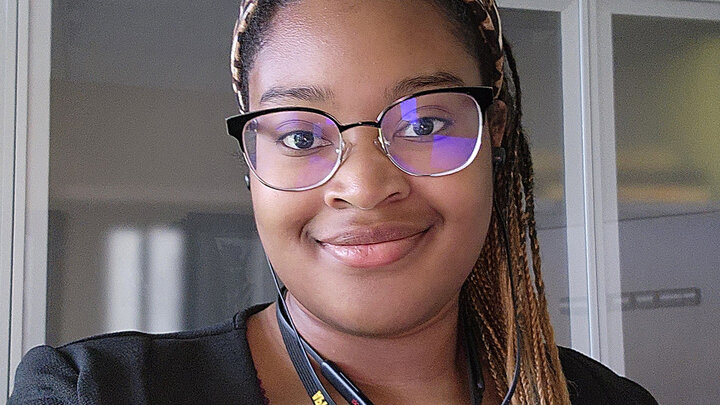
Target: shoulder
<point>590,382</point>
<point>183,367</point>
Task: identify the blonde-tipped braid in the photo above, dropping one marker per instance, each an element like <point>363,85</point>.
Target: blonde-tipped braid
<point>486,298</point>
<point>486,294</point>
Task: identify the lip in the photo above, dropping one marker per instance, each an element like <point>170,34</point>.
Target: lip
<point>366,247</point>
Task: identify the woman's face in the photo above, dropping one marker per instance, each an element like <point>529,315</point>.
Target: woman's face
<point>373,251</point>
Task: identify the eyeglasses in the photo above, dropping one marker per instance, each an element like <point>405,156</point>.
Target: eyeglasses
<point>431,133</point>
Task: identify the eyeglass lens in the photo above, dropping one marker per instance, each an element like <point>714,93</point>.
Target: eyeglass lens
<point>430,134</point>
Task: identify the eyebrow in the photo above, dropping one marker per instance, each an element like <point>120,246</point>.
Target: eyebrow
<point>304,93</point>
<point>416,83</point>
<point>402,88</point>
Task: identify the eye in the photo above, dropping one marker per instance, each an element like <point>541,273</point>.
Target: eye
<point>303,140</point>
<point>422,129</point>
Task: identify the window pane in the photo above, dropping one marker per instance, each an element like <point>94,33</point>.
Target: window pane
<point>667,115</point>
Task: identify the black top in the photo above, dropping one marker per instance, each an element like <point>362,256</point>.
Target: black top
<point>214,366</point>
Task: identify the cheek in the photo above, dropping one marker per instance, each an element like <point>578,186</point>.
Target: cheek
<point>280,217</point>
<point>464,200</point>
<point>466,209</point>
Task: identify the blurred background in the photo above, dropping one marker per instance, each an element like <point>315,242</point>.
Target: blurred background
<point>150,224</point>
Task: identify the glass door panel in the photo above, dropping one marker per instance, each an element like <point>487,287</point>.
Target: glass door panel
<point>667,115</point>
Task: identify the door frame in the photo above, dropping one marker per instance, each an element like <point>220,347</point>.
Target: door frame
<point>25,123</point>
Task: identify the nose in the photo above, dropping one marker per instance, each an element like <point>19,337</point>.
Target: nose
<point>366,178</point>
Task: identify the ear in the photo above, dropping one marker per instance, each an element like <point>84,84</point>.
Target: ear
<point>496,116</point>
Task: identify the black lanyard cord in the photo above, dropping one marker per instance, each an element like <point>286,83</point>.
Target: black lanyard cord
<point>296,350</point>
<point>518,336</point>
<point>475,377</point>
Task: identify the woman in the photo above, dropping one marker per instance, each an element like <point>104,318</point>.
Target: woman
<point>387,161</point>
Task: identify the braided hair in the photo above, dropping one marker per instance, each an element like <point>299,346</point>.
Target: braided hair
<point>486,299</point>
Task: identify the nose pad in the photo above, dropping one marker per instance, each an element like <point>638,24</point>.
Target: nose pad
<point>345,151</point>
<point>379,144</point>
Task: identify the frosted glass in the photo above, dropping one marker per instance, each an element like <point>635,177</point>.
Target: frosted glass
<point>667,115</point>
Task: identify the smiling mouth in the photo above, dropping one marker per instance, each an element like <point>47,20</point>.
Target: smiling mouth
<point>372,248</point>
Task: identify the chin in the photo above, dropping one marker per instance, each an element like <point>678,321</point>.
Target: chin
<point>379,315</point>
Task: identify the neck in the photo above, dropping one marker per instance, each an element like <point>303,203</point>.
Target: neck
<point>412,367</point>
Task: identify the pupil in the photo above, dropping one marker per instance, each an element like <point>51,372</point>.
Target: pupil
<point>423,126</point>
<point>303,140</point>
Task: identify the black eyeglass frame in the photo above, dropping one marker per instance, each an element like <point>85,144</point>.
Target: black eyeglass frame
<point>482,95</point>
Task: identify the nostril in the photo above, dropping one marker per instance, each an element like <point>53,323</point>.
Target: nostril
<point>340,203</point>
<point>396,196</point>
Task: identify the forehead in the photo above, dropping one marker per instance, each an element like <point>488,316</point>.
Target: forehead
<point>357,47</point>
